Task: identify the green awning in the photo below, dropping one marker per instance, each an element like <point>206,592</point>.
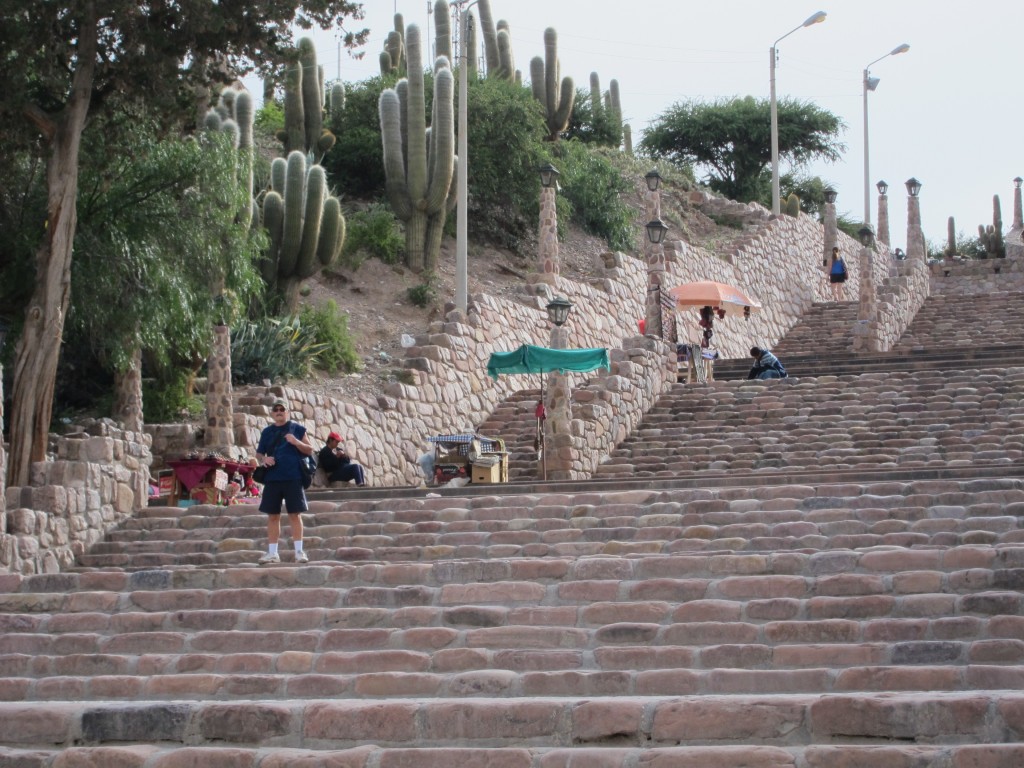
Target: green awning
<point>531,359</point>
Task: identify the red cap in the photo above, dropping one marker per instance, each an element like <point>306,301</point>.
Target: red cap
<point>334,436</point>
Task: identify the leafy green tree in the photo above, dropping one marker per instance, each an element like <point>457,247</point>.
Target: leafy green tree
<point>356,164</point>
<point>593,185</point>
<point>66,63</point>
<point>731,140</point>
<point>505,141</point>
<point>592,124</point>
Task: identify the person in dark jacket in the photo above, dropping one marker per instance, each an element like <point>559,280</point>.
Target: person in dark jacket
<point>766,365</point>
<point>339,465</point>
<point>282,446</point>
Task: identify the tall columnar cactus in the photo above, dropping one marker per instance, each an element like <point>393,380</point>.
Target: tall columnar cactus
<point>304,224</point>
<point>555,93</point>
<point>991,237</point>
<point>497,44</point>
<point>442,29</point>
<point>304,105</point>
<point>472,52</point>
<point>627,140</point>
<point>596,102</point>
<point>419,163</point>
<point>950,237</point>
<point>336,102</point>
<point>235,115</point>
<point>392,58</point>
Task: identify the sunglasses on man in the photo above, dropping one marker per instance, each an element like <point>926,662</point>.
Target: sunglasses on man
<point>278,409</point>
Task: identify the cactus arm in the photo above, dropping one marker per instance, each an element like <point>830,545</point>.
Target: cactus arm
<point>537,79</point>
<point>332,228</point>
<point>490,36</point>
<point>560,119</point>
<point>443,140</point>
<point>316,191</point>
<point>394,166</point>
<point>443,30</point>
<point>244,116</point>
<point>471,46</point>
<point>595,95</point>
<point>294,123</point>
<point>273,222</point>
<point>416,169</point>
<point>278,172</point>
<point>506,66</point>
<point>291,239</point>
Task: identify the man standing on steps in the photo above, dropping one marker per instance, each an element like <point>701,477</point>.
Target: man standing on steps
<point>282,446</point>
<point>766,365</point>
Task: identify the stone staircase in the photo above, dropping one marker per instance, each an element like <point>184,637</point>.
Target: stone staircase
<point>820,572</point>
<point>824,329</point>
<point>945,321</point>
<point>514,421</point>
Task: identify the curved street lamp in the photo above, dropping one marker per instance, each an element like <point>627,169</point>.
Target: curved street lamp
<point>870,83</point>
<point>810,21</point>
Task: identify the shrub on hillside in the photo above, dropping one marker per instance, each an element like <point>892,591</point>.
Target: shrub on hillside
<point>329,328</point>
<point>374,232</point>
<point>593,185</point>
<point>272,349</point>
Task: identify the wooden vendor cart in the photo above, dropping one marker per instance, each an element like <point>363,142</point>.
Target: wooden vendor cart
<point>475,457</point>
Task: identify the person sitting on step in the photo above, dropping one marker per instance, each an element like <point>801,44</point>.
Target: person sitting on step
<point>339,465</point>
<point>766,365</point>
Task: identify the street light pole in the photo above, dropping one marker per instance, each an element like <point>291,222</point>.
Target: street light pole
<point>462,178</point>
<point>870,83</point>
<point>811,20</point>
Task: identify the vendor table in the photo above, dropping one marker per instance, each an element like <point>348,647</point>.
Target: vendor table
<point>478,458</point>
<point>202,473</point>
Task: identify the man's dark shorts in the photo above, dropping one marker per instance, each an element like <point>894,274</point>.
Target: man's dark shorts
<point>290,492</point>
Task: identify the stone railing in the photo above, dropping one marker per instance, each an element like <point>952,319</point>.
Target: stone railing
<point>97,480</point>
<point>979,276</point>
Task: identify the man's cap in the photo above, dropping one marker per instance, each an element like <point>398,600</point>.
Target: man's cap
<point>279,401</point>
<point>334,436</point>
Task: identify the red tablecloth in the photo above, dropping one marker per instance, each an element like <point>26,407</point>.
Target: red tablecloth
<point>190,472</point>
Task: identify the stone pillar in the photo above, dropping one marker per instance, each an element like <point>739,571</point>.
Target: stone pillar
<point>655,270</point>
<point>883,220</point>
<point>3,465</point>
<point>558,425</point>
<point>1018,211</point>
<point>219,419</point>
<point>867,337</point>
<point>548,237</point>
<point>128,395</point>
<point>831,235</point>
<point>916,250</point>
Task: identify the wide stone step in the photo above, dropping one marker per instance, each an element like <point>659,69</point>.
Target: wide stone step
<point>977,717</point>
<point>330,675</point>
<point>611,755</point>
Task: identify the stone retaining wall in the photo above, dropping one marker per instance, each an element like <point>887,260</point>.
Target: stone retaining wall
<point>97,480</point>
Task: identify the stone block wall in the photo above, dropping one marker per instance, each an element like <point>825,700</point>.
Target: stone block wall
<point>96,481</point>
<point>968,278</point>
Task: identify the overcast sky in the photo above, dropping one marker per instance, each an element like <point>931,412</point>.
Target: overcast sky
<point>949,112</point>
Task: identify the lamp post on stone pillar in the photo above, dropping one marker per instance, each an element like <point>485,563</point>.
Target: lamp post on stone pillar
<point>655,253</point>
<point>915,236</point>
<point>547,240</point>
<point>3,456</point>
<point>883,213</point>
<point>867,339</point>
<point>556,427</point>
<point>831,227</point>
<point>1018,212</point>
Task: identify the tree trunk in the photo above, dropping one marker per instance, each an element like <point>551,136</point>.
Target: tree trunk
<point>38,350</point>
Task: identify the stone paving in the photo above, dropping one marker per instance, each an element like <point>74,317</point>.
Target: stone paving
<point>824,572</point>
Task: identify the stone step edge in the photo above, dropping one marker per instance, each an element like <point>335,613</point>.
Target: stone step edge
<point>605,756</point>
<point>982,716</point>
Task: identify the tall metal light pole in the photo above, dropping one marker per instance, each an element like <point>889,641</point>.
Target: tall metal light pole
<point>811,20</point>
<point>462,179</point>
<point>870,83</point>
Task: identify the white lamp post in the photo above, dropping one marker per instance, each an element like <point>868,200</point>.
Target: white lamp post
<point>462,179</point>
<point>811,20</point>
<point>870,83</point>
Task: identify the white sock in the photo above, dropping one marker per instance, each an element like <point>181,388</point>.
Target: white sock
<point>298,546</point>
<point>272,548</point>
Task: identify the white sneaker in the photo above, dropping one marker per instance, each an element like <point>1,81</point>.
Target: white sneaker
<point>268,558</point>
<point>301,557</point>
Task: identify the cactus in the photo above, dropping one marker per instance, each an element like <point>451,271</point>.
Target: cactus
<point>235,115</point>
<point>627,140</point>
<point>950,238</point>
<point>991,237</point>
<point>419,164</point>
<point>471,47</point>
<point>596,103</point>
<point>304,224</point>
<point>442,29</point>
<point>555,97</point>
<point>336,103</point>
<point>792,205</point>
<point>497,45</point>
<point>304,105</point>
<point>616,107</point>
<point>392,58</point>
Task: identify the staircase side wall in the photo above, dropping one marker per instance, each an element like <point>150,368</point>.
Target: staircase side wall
<point>97,480</point>
<point>979,277</point>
